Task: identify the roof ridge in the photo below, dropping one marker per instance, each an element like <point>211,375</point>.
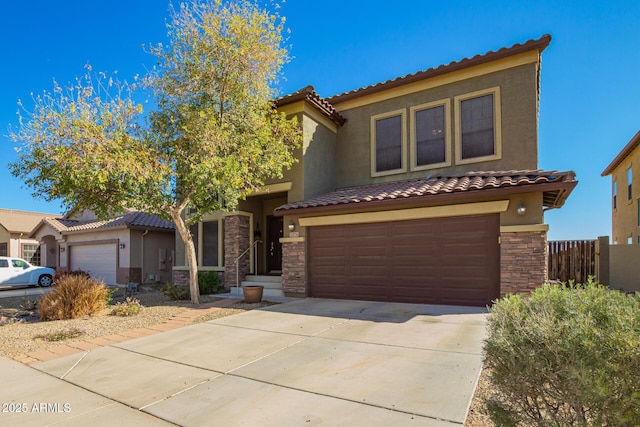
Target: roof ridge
<point>308,93</point>
<point>531,44</point>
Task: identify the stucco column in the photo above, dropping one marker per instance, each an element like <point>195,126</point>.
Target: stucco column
<point>294,266</point>
<point>523,261</point>
<point>236,241</point>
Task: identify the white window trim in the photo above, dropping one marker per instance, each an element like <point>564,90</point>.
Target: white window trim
<point>403,114</point>
<point>497,125</point>
<point>447,137</point>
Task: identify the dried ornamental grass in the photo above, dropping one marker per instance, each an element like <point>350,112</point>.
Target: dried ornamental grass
<point>73,297</point>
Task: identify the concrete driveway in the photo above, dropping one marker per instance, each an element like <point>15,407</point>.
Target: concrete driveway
<point>303,363</point>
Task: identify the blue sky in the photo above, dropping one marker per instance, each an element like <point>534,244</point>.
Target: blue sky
<point>590,89</point>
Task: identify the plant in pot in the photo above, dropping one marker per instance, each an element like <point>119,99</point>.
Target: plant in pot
<point>252,293</point>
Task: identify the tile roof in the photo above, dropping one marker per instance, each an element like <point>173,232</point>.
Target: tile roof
<point>129,220</point>
<point>558,185</point>
<point>16,221</point>
<point>631,145</point>
<point>539,44</point>
<point>308,93</point>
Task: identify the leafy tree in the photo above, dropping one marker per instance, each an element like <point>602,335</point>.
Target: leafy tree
<point>213,137</point>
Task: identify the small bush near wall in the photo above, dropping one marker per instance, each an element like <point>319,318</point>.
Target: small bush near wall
<point>208,282</point>
<point>176,292</point>
<point>565,355</point>
<point>74,296</point>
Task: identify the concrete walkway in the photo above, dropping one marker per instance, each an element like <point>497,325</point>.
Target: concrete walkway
<point>308,362</point>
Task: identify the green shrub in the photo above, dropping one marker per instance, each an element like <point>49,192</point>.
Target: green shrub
<point>130,307</point>
<point>208,282</point>
<point>565,355</point>
<point>175,292</point>
<point>74,296</point>
<point>63,334</point>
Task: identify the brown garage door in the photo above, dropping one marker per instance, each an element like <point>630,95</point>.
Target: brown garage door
<point>435,261</point>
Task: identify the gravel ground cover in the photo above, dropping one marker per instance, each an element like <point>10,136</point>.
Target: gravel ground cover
<point>19,325</point>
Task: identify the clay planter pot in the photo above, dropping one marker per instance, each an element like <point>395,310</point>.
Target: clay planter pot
<point>252,293</point>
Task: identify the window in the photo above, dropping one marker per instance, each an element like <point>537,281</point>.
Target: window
<point>31,254</point>
<point>478,124</point>
<point>388,143</point>
<point>430,141</point>
<point>629,184</point>
<point>207,237</point>
<point>615,195</point>
<point>3,249</point>
<point>629,240</point>
<point>210,243</point>
<point>195,234</point>
<point>4,263</point>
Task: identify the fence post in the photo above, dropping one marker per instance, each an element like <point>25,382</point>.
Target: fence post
<point>602,260</point>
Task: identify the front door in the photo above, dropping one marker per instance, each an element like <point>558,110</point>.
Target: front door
<point>274,247</point>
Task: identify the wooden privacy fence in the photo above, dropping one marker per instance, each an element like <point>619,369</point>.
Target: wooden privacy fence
<point>571,260</point>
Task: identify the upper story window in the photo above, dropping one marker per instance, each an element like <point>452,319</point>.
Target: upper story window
<point>430,140</point>
<point>615,195</point>
<point>478,126</point>
<point>629,184</point>
<point>388,143</point>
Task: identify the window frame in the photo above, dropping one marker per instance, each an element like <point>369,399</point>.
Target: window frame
<point>30,252</point>
<point>199,243</point>
<point>413,143</point>
<point>630,183</point>
<point>497,125</point>
<point>403,142</point>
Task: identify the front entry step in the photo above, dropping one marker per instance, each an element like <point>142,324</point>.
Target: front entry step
<point>272,285</point>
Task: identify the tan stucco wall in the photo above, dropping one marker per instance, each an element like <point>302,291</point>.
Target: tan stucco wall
<point>624,268</point>
<point>625,216</point>
<point>153,242</point>
<point>319,161</point>
<point>518,98</point>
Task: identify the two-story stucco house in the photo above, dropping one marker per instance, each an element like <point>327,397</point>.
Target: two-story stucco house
<point>625,202</point>
<point>421,189</point>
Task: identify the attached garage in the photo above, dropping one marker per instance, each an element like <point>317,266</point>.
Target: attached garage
<point>452,260</point>
<point>100,261</point>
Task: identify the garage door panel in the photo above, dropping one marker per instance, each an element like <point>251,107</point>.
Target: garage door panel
<point>100,261</point>
<point>438,260</point>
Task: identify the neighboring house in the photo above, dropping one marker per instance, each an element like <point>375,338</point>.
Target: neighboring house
<point>15,227</point>
<point>625,202</point>
<point>421,189</point>
<point>132,247</point>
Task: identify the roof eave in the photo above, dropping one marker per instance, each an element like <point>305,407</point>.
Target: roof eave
<point>540,45</point>
<point>631,145</point>
<point>563,188</point>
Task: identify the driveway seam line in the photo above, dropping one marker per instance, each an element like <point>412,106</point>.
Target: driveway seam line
<point>431,417</point>
<point>75,364</point>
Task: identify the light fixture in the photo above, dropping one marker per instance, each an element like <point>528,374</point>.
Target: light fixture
<point>62,249</point>
<point>121,245</point>
<point>521,209</point>
<point>292,226</point>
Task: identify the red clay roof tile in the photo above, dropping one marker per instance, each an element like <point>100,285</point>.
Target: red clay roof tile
<point>435,185</point>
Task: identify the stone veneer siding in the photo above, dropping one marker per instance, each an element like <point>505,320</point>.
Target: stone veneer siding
<point>293,269</point>
<point>236,241</point>
<point>180,277</point>
<point>523,261</point>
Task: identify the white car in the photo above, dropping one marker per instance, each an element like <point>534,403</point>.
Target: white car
<point>18,272</point>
